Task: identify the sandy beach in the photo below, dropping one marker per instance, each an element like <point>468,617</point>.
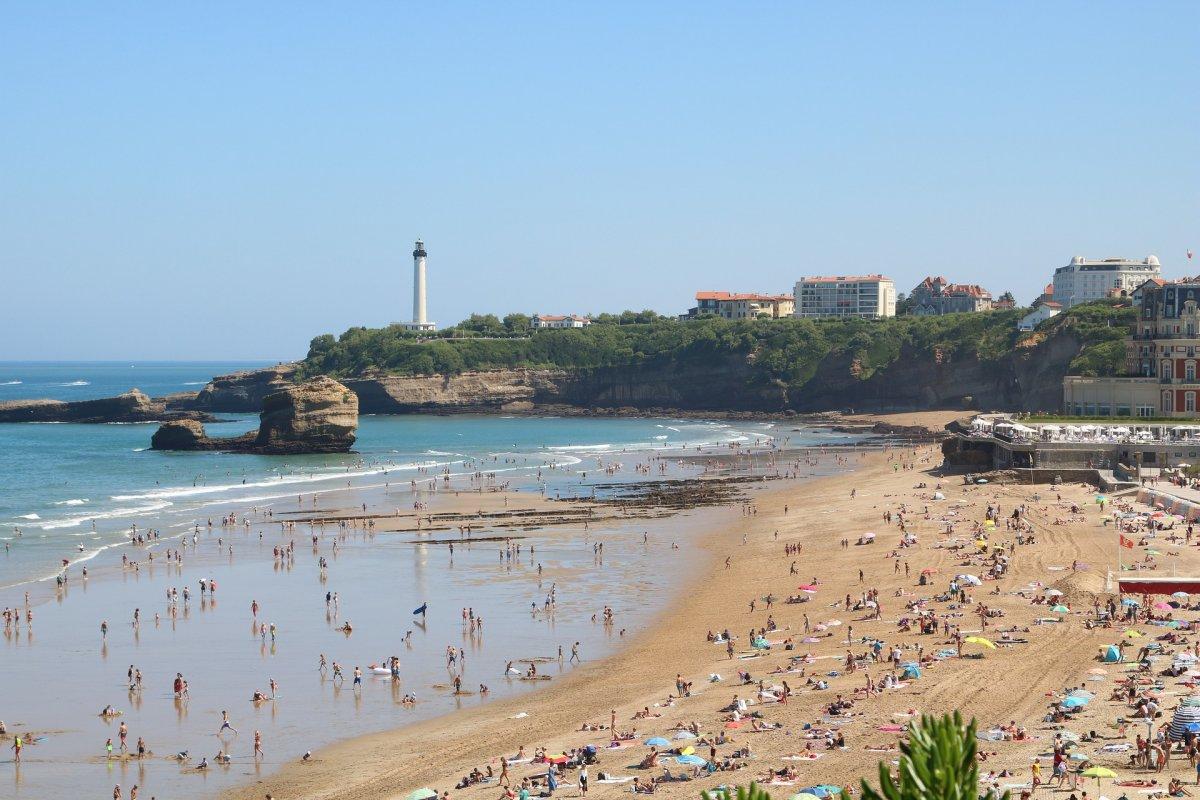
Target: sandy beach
<point>1014,683</point>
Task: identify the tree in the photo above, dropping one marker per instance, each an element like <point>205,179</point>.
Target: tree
<point>1007,297</point>
<point>517,323</point>
<point>487,324</point>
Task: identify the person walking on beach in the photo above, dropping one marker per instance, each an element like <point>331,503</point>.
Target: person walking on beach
<point>225,724</point>
<point>583,779</point>
<point>574,653</point>
<point>258,751</point>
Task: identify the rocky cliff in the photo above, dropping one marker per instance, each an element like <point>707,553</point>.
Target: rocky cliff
<point>1028,378</point>
<point>317,416</point>
<point>242,392</point>
<point>132,406</point>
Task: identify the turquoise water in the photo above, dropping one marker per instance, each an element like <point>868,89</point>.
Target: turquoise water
<point>72,491</point>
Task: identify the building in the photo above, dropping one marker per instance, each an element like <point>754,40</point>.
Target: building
<point>1083,280</point>
<point>1038,315</point>
<point>934,296</point>
<point>1136,294</point>
<point>544,321</point>
<point>743,306</point>
<point>419,320</point>
<point>1160,360</point>
<point>1046,296</point>
<point>868,296</point>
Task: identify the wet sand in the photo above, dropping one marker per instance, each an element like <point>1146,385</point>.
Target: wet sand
<point>380,575</point>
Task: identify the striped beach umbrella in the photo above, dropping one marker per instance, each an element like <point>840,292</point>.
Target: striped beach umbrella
<point>1187,714</point>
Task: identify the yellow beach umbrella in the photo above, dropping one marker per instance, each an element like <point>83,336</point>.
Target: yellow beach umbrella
<point>988,643</point>
<point>1133,634</point>
<point>687,751</point>
<point>1098,773</point>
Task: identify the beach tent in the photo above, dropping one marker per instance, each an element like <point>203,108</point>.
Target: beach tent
<point>911,672</point>
<point>823,790</point>
<point>684,735</point>
<point>422,794</point>
<point>1187,714</point>
<point>1111,654</point>
<point>657,741</point>
<point>691,760</point>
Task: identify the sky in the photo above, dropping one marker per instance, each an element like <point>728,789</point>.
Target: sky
<point>228,180</point>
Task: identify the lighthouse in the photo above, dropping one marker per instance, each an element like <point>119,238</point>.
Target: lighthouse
<point>419,320</point>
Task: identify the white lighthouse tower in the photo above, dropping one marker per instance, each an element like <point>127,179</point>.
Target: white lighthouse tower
<point>419,320</point>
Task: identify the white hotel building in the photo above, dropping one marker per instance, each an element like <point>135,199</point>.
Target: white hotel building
<point>867,296</point>
<point>1085,279</point>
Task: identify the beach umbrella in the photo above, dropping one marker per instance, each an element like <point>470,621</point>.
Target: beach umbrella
<point>1161,606</point>
<point>687,751</point>
<point>981,641</point>
<point>422,794</point>
<point>1180,595</point>
<point>684,735</point>
<point>1098,773</point>
<point>1060,609</point>
<point>1129,601</point>
<point>657,741</point>
<point>1053,593</point>
<point>695,761</point>
<point>971,579</point>
<point>561,758</point>
<point>1074,702</point>
<point>822,790</point>
<point>929,571</point>
<point>1187,714</point>
<point>1133,635</point>
<point>1084,693</point>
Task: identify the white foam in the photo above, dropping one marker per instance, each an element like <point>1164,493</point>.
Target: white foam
<point>76,520</point>
<point>74,502</point>
<point>282,480</point>
<point>10,383</point>
<point>194,383</point>
<point>77,383</point>
<point>29,516</point>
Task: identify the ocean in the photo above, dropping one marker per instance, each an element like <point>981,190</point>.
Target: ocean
<point>73,492</point>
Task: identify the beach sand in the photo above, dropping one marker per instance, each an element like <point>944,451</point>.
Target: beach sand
<point>1009,683</point>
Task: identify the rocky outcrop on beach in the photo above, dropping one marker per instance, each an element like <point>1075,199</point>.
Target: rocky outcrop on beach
<point>319,415</point>
<point>132,406</point>
<point>242,392</point>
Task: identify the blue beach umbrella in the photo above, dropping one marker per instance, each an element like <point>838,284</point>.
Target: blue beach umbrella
<point>684,735</point>
<point>823,790</point>
<point>1074,702</point>
<point>1129,601</point>
<point>695,761</point>
<point>657,741</point>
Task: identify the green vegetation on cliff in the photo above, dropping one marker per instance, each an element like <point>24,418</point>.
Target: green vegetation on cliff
<point>784,351</point>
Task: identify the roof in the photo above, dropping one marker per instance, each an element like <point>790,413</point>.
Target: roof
<point>1052,304</point>
<point>845,279</point>
<point>768,298</point>
<point>560,317</point>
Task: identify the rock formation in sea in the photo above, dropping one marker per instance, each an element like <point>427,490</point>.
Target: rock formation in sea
<point>319,415</point>
<point>132,406</point>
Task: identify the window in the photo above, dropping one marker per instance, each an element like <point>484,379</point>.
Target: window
<point>1189,401</point>
<point>1168,403</point>
<point>1189,371</point>
<point>1122,411</point>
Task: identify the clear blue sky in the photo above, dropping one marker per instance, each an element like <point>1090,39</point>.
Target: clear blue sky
<point>221,180</point>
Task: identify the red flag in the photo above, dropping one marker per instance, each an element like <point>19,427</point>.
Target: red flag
<point>1127,543</point>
